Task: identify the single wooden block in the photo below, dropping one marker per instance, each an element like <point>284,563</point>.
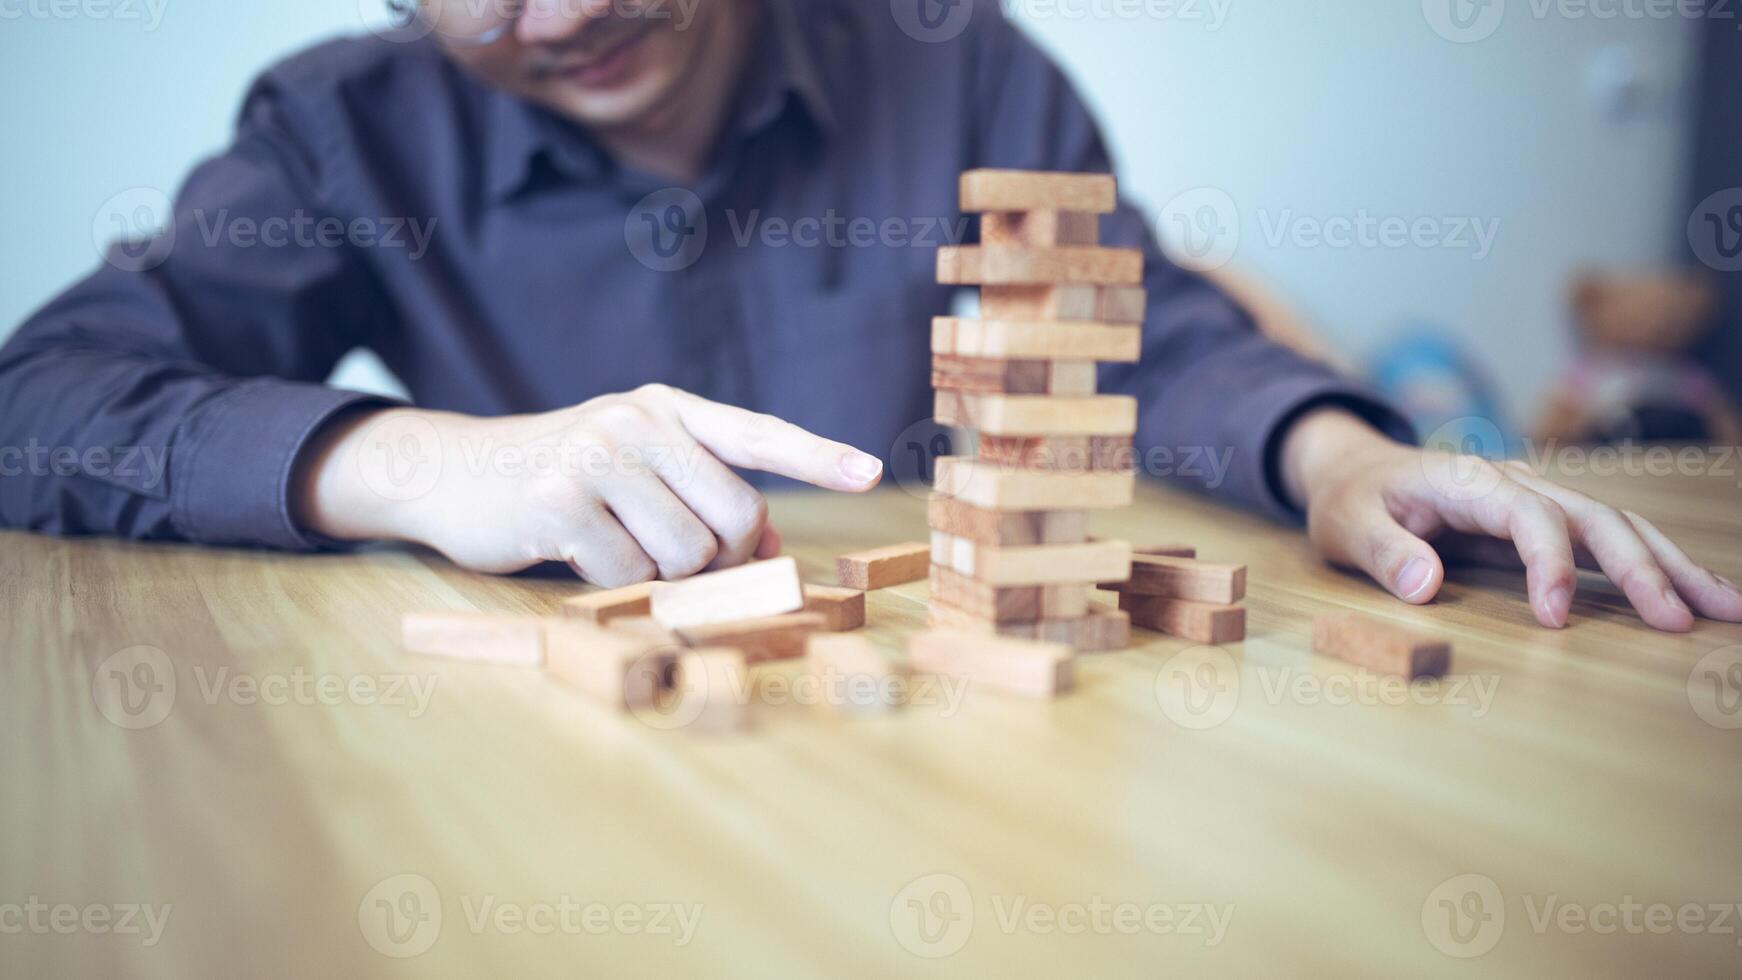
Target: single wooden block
<point>492,638</point>
<point>1005,528</point>
<point>1075,454</point>
<point>1037,415</point>
<point>646,627</point>
<point>844,609</point>
<point>712,690</point>
<point>1007,603</point>
<point>1036,339</point>
<point>1040,227</point>
<point>855,677</point>
<point>1165,550</point>
<point>993,376</point>
<point>763,638</point>
<point>1200,622</point>
<point>1380,646</point>
<point>1067,303</point>
<point>881,568</point>
<point>1184,578</point>
<point>1099,630</point>
<point>1089,562</point>
<point>1025,667</point>
<point>761,588</point>
<point>998,487</point>
<point>606,605</point>
<point>619,667</point>
<point>988,189</point>
<point>1022,265</point>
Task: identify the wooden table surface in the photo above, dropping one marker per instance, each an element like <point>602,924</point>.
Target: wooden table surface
<point>234,742</point>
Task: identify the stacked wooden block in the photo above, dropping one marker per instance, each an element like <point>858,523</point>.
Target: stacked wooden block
<point>1011,553</point>
<point>1170,591</point>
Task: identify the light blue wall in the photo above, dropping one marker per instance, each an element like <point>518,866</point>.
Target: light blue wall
<point>1292,108</point>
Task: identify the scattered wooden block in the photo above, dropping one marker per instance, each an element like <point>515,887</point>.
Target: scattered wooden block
<point>1032,190</point>
<point>1025,667</point>
<point>881,568</point>
<point>1007,603</point>
<point>1058,453</point>
<point>1101,304</point>
<point>1038,415</point>
<point>603,606</point>
<point>1006,528</point>
<point>1040,228</point>
<point>618,667</point>
<point>762,588</point>
<point>1089,562</point>
<point>1200,622</point>
<point>1380,646</point>
<point>1022,265</point>
<point>991,485</point>
<point>855,676</point>
<point>1099,630</point>
<point>1037,339</point>
<point>764,638</point>
<point>992,376</point>
<point>492,638</point>
<point>712,690</point>
<point>645,627</point>
<point>844,609</point>
<point>1183,578</point>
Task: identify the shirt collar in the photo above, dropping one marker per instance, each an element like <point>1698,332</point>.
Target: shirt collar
<point>519,134</point>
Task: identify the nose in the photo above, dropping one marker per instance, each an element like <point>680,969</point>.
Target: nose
<point>553,21</point>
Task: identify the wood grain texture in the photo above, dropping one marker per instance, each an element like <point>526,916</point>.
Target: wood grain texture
<point>1021,265</point>
<point>1038,339</point>
<point>994,486</point>
<point>1037,415</point>
<point>1103,304</point>
<point>1040,227</point>
<point>1587,770</point>
<point>1032,190</point>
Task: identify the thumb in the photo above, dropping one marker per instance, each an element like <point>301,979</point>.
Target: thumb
<point>1370,539</point>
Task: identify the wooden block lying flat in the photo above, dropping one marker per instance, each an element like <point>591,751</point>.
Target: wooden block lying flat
<point>1038,339</point>
<point>1005,528</point>
<point>1040,227</point>
<point>646,627</point>
<point>1100,630</point>
<point>712,688</point>
<point>843,609</point>
<point>1035,190</point>
<point>492,638</point>
<point>600,607</point>
<point>855,676</point>
<point>618,667</point>
<point>761,588</point>
<point>1184,578</point>
<point>881,568</point>
<point>1089,562</point>
<point>765,638</point>
<point>991,485</point>
<point>1037,415</point>
<point>1077,454</point>
<point>1164,550</point>
<point>1101,304</point>
<point>1025,667</point>
<point>1007,603</point>
<point>993,376</point>
<point>1380,646</point>
<point>1200,622</point>
<point>1022,265</point>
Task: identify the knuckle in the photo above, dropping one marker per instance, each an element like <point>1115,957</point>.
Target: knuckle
<point>620,416</point>
<point>760,435</point>
<point>746,516</point>
<point>694,553</point>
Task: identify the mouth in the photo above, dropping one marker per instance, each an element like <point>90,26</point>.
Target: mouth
<point>611,64</point>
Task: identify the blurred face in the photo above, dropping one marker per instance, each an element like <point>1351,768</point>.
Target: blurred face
<point>605,64</point>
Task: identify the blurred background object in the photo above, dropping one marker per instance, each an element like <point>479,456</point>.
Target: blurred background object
<point>1350,167</point>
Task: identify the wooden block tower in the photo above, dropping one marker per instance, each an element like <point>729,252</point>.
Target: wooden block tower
<point>1011,553</point>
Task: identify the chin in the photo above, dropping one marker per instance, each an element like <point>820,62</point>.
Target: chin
<point>647,85</point>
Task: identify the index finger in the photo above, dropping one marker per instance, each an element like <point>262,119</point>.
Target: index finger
<point>757,441</point>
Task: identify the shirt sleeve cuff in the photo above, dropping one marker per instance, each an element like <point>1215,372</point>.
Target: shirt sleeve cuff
<point>231,466</point>
<point>1289,400</point>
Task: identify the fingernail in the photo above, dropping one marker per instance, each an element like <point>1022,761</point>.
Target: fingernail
<point>860,467</point>
<point>1413,580</point>
<point>1728,585</point>
<point>1558,602</point>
